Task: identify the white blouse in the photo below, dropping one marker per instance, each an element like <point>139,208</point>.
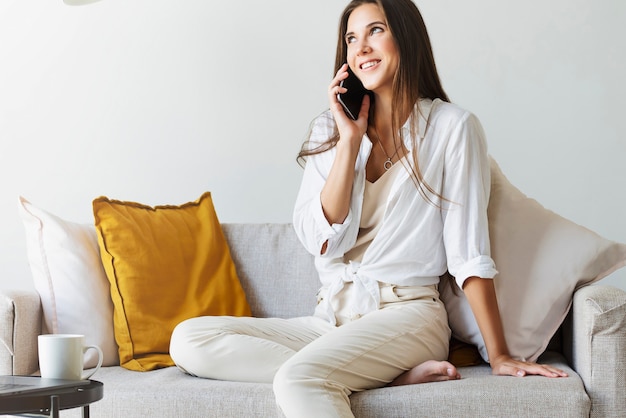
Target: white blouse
<point>418,240</point>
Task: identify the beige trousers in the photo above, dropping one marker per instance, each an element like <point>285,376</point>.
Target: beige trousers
<point>313,365</point>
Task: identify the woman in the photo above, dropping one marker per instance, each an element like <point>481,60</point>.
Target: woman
<point>389,202</point>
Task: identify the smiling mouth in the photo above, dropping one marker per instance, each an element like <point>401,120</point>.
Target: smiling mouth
<point>369,64</point>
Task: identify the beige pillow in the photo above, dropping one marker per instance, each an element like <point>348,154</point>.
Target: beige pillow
<point>68,275</point>
<point>542,258</point>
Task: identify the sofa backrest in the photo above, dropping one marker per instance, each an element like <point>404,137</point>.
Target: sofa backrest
<point>277,274</point>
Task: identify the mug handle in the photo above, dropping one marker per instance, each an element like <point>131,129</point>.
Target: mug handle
<point>100,358</point>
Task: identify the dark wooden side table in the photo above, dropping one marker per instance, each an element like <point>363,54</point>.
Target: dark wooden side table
<point>50,401</point>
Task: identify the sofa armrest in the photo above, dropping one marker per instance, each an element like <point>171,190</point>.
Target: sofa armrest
<point>595,346</point>
<point>20,324</point>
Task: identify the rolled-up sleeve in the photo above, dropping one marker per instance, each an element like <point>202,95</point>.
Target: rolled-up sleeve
<point>466,184</point>
<point>310,223</point>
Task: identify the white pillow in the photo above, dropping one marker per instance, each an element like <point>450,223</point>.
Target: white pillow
<point>68,274</point>
<point>542,258</point>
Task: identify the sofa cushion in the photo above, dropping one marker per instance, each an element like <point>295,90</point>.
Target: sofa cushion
<point>165,264</point>
<point>68,276</point>
<point>170,392</point>
<point>542,258</point>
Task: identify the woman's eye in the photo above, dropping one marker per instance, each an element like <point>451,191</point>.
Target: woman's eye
<point>350,39</point>
<point>376,30</point>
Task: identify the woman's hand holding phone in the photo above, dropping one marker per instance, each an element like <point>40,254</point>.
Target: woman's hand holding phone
<point>349,130</point>
<point>335,195</point>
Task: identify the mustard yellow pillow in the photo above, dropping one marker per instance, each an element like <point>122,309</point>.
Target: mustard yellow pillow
<point>165,264</point>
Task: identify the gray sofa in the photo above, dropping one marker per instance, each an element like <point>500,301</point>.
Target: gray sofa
<point>280,281</point>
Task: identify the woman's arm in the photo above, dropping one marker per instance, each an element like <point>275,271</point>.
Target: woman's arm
<point>337,191</point>
<point>323,209</point>
<point>467,184</point>
<point>481,295</point>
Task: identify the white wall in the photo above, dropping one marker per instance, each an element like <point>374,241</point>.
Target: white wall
<point>158,101</point>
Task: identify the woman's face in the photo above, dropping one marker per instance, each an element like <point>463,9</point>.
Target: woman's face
<point>372,52</point>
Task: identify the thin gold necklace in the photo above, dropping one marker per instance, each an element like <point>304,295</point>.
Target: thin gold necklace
<point>389,162</point>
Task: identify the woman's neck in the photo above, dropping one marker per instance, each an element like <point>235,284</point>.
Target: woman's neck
<point>382,117</point>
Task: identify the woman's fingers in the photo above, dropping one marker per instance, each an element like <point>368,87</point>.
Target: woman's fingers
<point>334,89</point>
<point>542,370</point>
<point>521,368</point>
<point>335,85</point>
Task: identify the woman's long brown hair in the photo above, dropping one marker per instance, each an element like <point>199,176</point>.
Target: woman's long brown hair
<point>415,78</point>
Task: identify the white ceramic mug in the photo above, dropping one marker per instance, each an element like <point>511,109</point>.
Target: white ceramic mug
<point>61,356</point>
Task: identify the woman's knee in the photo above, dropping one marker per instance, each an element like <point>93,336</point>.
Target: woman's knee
<point>189,343</point>
<point>303,389</point>
<point>183,334</point>
<point>292,376</point>
<point>299,375</point>
<point>179,343</point>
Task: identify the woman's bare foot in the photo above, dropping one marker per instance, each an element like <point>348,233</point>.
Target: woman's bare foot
<point>428,371</point>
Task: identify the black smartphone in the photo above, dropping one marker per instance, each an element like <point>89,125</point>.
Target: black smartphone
<point>353,98</point>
